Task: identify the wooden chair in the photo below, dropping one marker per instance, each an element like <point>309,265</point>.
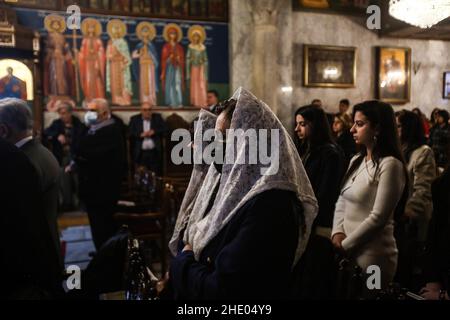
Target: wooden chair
<point>178,189</point>
<point>174,122</point>
<point>149,221</point>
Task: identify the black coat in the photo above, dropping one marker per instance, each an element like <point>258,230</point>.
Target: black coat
<point>325,167</point>
<point>27,253</point>
<point>252,256</point>
<point>100,158</point>
<point>49,172</point>
<point>438,242</point>
<point>57,128</point>
<point>348,145</point>
<point>124,130</point>
<point>137,127</point>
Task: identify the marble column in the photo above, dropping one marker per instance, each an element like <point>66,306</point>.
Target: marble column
<point>265,15</point>
<point>241,45</point>
<point>284,62</point>
<point>262,51</point>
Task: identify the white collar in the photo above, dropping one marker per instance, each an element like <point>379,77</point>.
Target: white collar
<point>98,126</point>
<point>21,143</point>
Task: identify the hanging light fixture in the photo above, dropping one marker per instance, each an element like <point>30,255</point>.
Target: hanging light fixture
<point>420,13</point>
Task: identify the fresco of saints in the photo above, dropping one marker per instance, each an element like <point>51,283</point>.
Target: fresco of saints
<point>91,60</point>
<point>118,74</point>
<point>172,66</point>
<point>58,64</point>
<point>145,63</point>
<point>12,87</point>
<point>197,66</point>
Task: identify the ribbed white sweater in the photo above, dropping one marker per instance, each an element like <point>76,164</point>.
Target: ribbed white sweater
<point>364,213</point>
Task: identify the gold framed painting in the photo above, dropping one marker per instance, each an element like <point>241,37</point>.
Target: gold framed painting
<point>329,66</point>
<point>393,74</point>
<point>346,7</point>
<point>446,85</point>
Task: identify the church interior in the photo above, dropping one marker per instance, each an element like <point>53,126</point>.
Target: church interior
<point>105,109</point>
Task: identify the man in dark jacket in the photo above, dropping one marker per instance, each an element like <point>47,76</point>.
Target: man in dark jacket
<point>15,114</point>
<point>100,158</point>
<point>29,260</point>
<point>146,132</point>
<point>64,135</point>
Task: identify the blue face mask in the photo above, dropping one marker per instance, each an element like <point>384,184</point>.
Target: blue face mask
<point>90,118</point>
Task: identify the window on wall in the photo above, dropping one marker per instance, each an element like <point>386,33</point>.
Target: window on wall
<point>179,9</point>
<point>216,8</point>
<point>213,10</point>
<point>141,6</point>
<point>198,8</point>
<point>94,4</point>
<point>121,5</point>
<point>45,4</point>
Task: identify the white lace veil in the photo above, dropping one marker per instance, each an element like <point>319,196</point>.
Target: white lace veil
<point>206,120</point>
<point>241,181</point>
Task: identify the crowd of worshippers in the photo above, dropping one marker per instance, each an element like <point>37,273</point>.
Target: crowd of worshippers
<point>370,187</point>
<point>142,139</point>
<point>382,191</point>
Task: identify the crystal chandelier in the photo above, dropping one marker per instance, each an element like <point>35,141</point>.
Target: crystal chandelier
<point>420,13</point>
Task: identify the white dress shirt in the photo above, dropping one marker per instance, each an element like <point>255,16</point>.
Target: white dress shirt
<point>148,143</point>
<point>21,143</point>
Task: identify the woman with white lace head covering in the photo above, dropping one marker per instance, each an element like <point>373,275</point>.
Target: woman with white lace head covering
<point>206,120</point>
<point>252,216</point>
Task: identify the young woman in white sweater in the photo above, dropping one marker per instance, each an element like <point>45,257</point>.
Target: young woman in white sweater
<point>363,226</point>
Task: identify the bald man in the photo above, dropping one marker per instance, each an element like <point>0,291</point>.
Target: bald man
<point>146,134</point>
<point>100,158</point>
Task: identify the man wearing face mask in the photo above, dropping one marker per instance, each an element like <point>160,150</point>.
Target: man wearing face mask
<point>100,158</point>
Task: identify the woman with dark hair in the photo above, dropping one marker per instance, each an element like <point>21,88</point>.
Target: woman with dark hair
<point>421,169</point>
<point>363,227</point>
<point>425,122</point>
<point>324,164</point>
<point>433,123</point>
<point>440,138</point>
<point>341,130</point>
<point>433,116</point>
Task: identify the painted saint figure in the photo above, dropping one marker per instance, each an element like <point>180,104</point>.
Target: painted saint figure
<point>172,65</point>
<point>197,66</point>
<point>58,64</point>
<point>12,87</point>
<point>91,60</point>
<point>145,63</point>
<point>118,75</point>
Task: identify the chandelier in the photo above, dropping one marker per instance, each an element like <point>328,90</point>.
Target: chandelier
<point>420,13</point>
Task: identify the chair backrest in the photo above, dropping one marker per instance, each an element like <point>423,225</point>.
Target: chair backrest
<point>176,189</point>
<point>146,224</point>
<point>174,122</point>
